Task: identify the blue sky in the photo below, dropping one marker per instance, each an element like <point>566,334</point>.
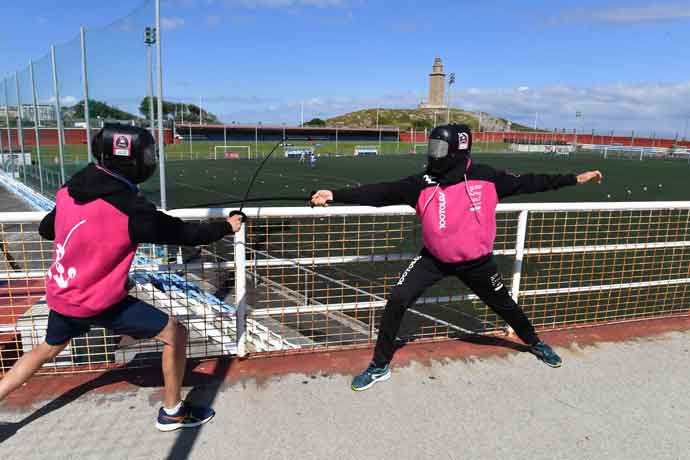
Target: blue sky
<point>624,65</point>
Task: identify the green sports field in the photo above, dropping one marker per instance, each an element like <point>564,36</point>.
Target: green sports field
<point>191,182</point>
<point>199,181</point>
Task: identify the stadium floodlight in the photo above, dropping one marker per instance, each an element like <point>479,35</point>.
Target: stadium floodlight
<point>150,40</point>
<point>150,36</point>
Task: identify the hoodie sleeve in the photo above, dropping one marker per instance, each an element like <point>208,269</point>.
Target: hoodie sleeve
<point>508,183</point>
<point>149,225</point>
<point>405,191</point>
<point>47,226</point>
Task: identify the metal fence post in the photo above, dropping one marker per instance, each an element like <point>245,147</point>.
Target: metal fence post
<point>161,134</point>
<point>2,148</point>
<point>9,133</point>
<point>37,131</point>
<point>241,291</point>
<point>519,256</point>
<point>20,126</point>
<point>85,81</point>
<point>58,113</point>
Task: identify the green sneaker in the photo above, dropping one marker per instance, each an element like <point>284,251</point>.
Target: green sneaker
<point>545,353</point>
<point>370,376</point>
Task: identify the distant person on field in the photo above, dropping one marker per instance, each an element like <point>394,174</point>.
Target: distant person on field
<point>456,202</point>
<point>98,221</point>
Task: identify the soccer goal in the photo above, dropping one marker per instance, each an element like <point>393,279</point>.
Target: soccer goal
<point>420,149</point>
<point>232,152</point>
<point>12,161</point>
<point>296,151</point>
<point>366,151</point>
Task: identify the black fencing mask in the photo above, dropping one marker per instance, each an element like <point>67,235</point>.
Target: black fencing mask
<point>126,150</point>
<point>449,147</point>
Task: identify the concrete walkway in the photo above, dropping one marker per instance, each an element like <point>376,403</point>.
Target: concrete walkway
<point>11,203</point>
<point>625,400</point>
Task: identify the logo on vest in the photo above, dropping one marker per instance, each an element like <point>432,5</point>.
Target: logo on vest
<point>441,210</point>
<point>60,251</point>
<point>475,193</point>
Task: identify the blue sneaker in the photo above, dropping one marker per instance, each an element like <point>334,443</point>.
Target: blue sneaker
<point>546,354</point>
<point>186,417</point>
<point>370,376</point>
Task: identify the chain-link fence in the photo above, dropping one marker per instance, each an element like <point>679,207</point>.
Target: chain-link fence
<point>50,108</point>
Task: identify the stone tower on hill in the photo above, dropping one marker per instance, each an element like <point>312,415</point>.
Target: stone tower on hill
<point>437,87</point>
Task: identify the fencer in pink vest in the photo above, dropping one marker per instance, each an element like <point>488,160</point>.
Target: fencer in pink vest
<point>455,200</point>
<point>98,222</point>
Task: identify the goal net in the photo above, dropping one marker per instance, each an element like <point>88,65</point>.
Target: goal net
<point>232,152</point>
<point>366,150</point>
<point>296,151</point>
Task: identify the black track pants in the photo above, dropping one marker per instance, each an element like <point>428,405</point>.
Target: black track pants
<point>481,276</point>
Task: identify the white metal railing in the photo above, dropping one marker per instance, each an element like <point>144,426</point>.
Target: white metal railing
<point>301,276</point>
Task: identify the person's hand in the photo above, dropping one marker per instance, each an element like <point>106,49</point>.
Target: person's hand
<point>235,220</point>
<point>321,198</point>
<point>590,176</point>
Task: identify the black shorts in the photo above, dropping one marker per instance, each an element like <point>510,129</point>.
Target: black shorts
<point>130,317</point>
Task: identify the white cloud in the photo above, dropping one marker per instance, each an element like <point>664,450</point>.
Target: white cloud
<point>643,107</point>
<point>65,101</point>
<point>648,106</point>
<point>622,15</point>
<point>171,23</point>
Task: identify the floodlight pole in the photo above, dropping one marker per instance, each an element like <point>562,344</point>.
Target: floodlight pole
<point>161,139</point>
<point>149,40</point>
<point>58,112</point>
<point>451,80</point>
<point>85,82</point>
<point>20,127</point>
<point>7,120</point>
<point>36,119</point>
<point>2,148</point>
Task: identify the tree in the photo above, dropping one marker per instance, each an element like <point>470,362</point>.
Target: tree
<point>177,111</point>
<point>316,122</point>
<point>99,109</point>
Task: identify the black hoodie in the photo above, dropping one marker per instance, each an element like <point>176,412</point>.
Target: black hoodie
<point>146,223</point>
<point>458,210</point>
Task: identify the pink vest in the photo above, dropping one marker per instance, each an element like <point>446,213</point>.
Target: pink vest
<point>93,255</point>
<point>459,220</point>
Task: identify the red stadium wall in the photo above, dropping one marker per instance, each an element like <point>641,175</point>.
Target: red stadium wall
<point>77,136</point>
<point>49,136</point>
<point>564,138</point>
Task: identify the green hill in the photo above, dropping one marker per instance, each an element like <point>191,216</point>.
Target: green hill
<point>419,119</point>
